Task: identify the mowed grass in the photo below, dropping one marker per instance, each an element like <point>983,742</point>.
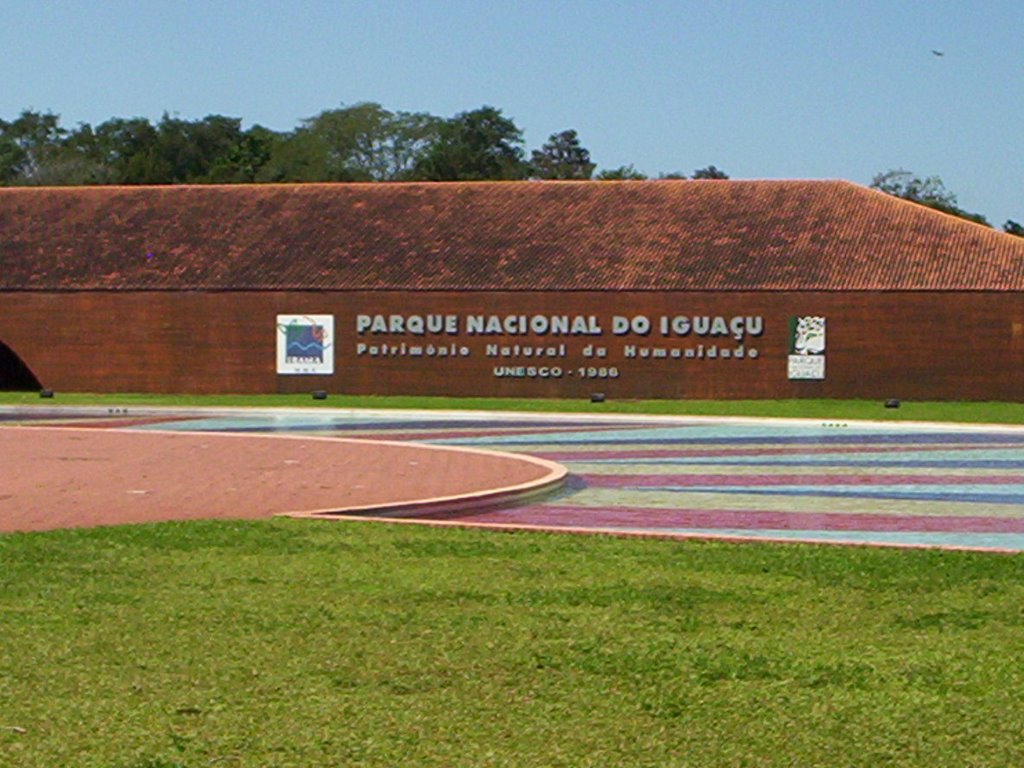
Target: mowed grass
<point>967,411</point>
<point>306,643</point>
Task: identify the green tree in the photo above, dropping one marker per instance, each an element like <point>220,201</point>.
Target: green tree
<point>27,144</point>
<point>904,184</point>
<point>362,142</point>
<point>190,150</point>
<point>245,159</point>
<point>130,149</point>
<point>1012,227</point>
<point>387,145</point>
<point>81,160</point>
<point>477,145</point>
<point>174,151</point>
<point>65,164</point>
<point>295,156</point>
<point>344,143</point>
<point>622,173</point>
<point>12,156</point>
<point>710,173</point>
<point>930,192</point>
<point>365,142</point>
<point>562,157</point>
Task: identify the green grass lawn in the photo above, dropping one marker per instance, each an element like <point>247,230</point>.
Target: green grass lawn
<point>300,643</point>
<point>979,412</point>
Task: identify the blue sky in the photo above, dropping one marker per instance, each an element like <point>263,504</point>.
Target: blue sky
<point>760,89</point>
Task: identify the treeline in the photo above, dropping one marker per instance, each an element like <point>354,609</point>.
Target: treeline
<point>932,193</point>
<point>362,142</point>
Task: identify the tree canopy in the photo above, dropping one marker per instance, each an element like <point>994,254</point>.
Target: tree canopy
<point>362,142</point>
<point>710,173</point>
<point>474,146</point>
<point>562,157</point>
<point>622,173</point>
<point>930,192</point>
<point>358,142</point>
<point>27,146</point>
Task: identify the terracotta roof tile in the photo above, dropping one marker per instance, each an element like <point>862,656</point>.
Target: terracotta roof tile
<point>663,235</point>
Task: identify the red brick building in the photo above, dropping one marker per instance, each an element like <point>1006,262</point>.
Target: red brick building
<point>673,289</point>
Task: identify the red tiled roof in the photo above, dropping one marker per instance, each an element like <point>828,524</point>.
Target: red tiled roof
<point>652,235</point>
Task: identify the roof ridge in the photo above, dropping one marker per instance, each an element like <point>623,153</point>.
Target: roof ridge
<point>926,209</point>
<point>673,235</point>
<point>248,186</point>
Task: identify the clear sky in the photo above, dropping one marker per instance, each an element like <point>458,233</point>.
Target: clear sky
<point>840,89</point>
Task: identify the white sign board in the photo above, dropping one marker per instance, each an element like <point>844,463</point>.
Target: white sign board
<point>806,367</point>
<point>806,348</point>
<point>305,344</point>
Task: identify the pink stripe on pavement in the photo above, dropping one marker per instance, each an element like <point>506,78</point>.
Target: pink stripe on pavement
<point>797,450</point>
<point>639,517</point>
<point>450,434</point>
<point>743,481</point>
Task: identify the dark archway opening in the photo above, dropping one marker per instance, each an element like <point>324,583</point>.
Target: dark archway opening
<point>15,376</point>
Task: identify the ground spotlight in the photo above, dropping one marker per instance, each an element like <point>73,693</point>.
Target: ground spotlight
<point>892,402</point>
<point>319,394</point>
<point>47,393</point>
<point>597,397</point>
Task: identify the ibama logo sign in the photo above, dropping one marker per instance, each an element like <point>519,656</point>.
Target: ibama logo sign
<point>305,344</point>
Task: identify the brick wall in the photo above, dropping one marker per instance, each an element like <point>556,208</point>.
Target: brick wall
<point>918,345</point>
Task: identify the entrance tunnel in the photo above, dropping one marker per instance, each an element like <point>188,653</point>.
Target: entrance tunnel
<point>15,375</point>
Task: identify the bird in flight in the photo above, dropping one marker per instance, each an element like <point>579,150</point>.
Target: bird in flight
<point>938,53</point>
